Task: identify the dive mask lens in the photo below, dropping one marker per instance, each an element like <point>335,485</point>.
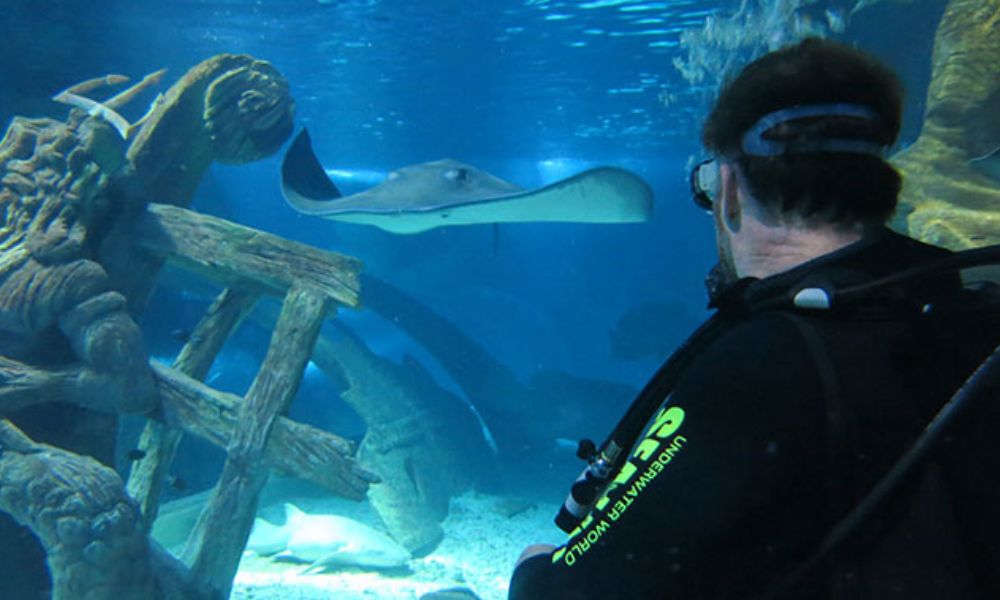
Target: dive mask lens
<point>704,183</point>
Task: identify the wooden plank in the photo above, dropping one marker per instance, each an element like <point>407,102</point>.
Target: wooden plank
<point>221,533</point>
<point>206,341</point>
<point>189,405</point>
<point>234,254</point>
<point>158,442</point>
<point>293,448</point>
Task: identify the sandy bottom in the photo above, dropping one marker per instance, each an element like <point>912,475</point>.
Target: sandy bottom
<point>480,546</point>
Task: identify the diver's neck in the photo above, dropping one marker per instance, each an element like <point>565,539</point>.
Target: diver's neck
<point>771,249</point>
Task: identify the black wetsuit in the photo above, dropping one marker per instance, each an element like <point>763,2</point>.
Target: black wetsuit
<point>779,427</point>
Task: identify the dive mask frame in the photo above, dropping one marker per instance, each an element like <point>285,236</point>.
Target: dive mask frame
<point>704,181</point>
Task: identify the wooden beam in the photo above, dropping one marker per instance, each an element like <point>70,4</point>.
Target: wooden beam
<point>293,448</point>
<point>217,542</point>
<point>189,405</point>
<point>234,254</point>
<point>158,442</point>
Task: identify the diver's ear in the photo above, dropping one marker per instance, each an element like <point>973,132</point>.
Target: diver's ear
<point>729,206</point>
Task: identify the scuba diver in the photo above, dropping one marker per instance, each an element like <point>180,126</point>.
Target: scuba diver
<point>808,440</point>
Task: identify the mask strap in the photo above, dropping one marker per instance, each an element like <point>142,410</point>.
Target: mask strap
<point>754,143</point>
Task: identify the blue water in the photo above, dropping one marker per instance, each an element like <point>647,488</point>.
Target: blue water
<point>530,90</point>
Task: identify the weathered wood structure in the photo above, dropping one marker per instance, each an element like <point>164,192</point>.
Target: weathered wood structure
<point>89,220</point>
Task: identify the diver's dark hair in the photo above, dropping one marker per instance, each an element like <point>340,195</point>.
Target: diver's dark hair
<point>833,187</point>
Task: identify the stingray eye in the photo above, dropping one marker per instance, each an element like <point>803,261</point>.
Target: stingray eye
<point>457,174</point>
<point>392,175</point>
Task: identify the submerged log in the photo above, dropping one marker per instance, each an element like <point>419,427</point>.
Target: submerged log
<point>220,536</point>
<point>159,442</point>
<point>234,254</point>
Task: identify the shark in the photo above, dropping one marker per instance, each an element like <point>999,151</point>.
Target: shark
<point>326,542</point>
<point>448,192</point>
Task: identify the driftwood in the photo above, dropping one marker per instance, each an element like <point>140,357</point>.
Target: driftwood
<point>293,448</point>
<point>193,407</point>
<point>231,253</point>
<point>158,442</point>
<point>220,535</point>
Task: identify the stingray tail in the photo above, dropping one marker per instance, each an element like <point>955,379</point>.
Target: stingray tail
<point>302,175</point>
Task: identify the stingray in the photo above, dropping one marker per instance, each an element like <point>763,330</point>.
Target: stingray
<point>447,192</point>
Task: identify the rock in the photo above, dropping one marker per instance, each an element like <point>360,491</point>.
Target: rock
<point>949,198</point>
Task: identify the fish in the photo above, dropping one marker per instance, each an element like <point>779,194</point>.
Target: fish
<point>326,541</point>
<point>136,454</point>
<point>447,192</point>
<point>565,444</point>
<point>177,483</point>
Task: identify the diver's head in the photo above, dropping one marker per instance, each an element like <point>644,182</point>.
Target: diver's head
<point>805,129</point>
<point>799,138</point>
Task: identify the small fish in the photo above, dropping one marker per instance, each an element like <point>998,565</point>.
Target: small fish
<point>566,444</point>
<point>181,335</point>
<point>177,483</point>
<point>136,454</point>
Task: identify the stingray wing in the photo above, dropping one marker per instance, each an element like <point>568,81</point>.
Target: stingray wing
<point>599,195</point>
<point>448,192</point>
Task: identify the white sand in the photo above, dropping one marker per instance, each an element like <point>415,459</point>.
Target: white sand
<point>479,549</point>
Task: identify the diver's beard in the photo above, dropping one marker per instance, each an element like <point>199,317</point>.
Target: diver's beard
<point>719,279</point>
<point>724,247</point>
<point>723,275</point>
